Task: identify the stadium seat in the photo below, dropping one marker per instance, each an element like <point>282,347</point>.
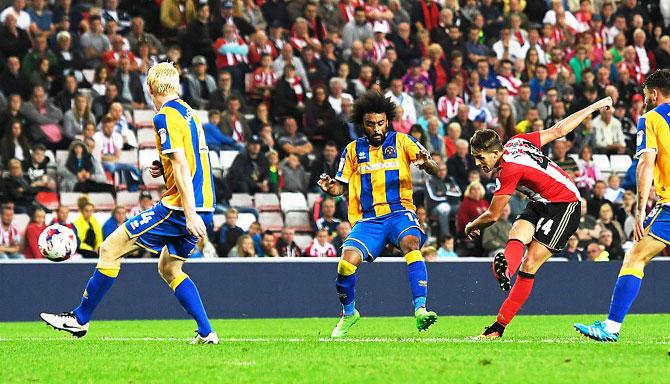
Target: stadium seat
<point>271,221</point>
<point>244,220</point>
<point>215,162</point>
<point>146,157</point>
<point>603,164</point>
<point>127,199</point>
<point>52,158</point>
<point>202,115</point>
<point>102,216</point>
<point>143,118</point>
<point>620,163</point>
<point>311,198</point>
<point>48,200</point>
<point>574,156</point>
<point>241,200</point>
<point>69,199</point>
<point>146,138</point>
<point>217,220</point>
<point>129,156</point>
<point>21,221</point>
<point>302,241</point>
<point>102,201</point>
<point>89,75</point>
<point>226,159</point>
<point>298,221</point>
<point>293,201</point>
<point>151,182</point>
<point>61,158</point>
<point>266,202</point>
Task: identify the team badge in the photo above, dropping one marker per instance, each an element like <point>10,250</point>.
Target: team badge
<point>162,133</point>
<point>640,137</point>
<point>390,152</point>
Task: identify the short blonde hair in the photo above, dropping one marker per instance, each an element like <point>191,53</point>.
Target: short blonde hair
<point>474,185</point>
<point>163,79</point>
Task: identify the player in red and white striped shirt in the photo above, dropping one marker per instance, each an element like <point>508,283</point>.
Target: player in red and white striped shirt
<point>551,216</point>
<point>10,240</point>
<point>447,105</point>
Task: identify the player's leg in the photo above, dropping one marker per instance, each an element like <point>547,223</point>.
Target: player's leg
<point>117,245</point>
<point>417,274</point>
<point>626,290</point>
<point>505,264</point>
<point>537,254</point>
<point>170,268</point>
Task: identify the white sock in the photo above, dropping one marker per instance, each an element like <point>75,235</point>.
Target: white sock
<point>612,326</point>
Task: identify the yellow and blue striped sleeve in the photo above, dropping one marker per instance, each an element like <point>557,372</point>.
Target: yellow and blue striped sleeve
<point>170,127</point>
<point>647,140</point>
<point>347,164</point>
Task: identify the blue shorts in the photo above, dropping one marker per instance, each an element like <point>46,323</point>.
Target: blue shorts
<point>159,226</point>
<point>657,223</point>
<point>370,236</point>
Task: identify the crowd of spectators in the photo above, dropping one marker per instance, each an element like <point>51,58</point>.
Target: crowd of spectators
<point>278,79</point>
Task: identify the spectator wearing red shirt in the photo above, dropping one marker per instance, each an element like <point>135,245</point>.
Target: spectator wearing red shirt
<point>111,57</point>
<point>472,206</point>
<point>32,236</point>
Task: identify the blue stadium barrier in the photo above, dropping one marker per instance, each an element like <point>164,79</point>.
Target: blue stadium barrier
<point>306,288</point>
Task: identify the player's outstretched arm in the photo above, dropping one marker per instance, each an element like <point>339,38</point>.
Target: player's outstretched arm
<point>182,178</point>
<point>571,122</point>
<point>426,163</point>
<point>645,176</point>
<point>330,185</point>
<point>489,217</point>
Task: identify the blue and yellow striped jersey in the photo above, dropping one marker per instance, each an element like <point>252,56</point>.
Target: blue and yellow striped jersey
<point>379,177</point>
<point>653,135</point>
<point>179,129</point>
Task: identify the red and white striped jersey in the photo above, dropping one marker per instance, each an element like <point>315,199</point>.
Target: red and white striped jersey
<point>230,59</point>
<point>9,237</point>
<point>263,78</point>
<point>379,50</point>
<point>511,83</point>
<point>317,250</point>
<point>446,109</point>
<point>526,169</point>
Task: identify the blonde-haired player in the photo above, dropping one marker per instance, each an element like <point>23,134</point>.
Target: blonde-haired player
<point>173,226</point>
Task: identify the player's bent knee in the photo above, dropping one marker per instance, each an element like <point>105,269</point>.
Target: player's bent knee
<point>352,255</point>
<point>409,243</point>
<point>345,268</point>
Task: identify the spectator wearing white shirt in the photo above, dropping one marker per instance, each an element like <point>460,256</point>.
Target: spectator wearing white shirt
<point>17,9</point>
<point>402,99</point>
<point>336,85</point>
<point>570,20</point>
<point>320,247</point>
<point>121,125</point>
<point>507,79</point>
<point>608,135</point>
<point>286,57</point>
<point>109,144</point>
<point>507,48</point>
<point>10,239</point>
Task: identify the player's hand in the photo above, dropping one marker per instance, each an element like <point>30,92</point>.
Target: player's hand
<point>156,169</point>
<point>196,226</point>
<point>470,232</point>
<point>638,229</point>
<point>605,103</point>
<point>327,183</point>
<point>422,158</point>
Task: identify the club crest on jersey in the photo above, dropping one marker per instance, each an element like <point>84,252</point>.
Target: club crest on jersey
<point>390,152</point>
<point>162,133</point>
<point>640,137</point>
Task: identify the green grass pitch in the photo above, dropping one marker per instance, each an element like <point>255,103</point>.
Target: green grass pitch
<point>535,349</point>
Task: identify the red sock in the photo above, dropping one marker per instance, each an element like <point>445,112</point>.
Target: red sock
<point>517,297</point>
<point>513,254</point>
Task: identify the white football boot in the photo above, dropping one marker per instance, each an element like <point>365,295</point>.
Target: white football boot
<point>212,338</point>
<point>65,321</point>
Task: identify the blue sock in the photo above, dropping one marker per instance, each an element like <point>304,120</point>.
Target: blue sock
<point>625,291</point>
<point>97,287</point>
<point>189,298</point>
<point>346,290</point>
<point>418,282</point>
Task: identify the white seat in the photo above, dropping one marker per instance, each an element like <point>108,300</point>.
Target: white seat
<point>52,158</point>
<point>298,221</point>
<point>69,199</point>
<point>271,221</point>
<point>226,159</point>
<point>143,117</point>
<point>574,156</point>
<point>21,221</point>
<point>244,220</point>
<point>241,200</point>
<point>146,157</point>
<point>102,216</point>
<point>214,160</point>
<point>61,158</point>
<point>293,201</point>
<point>127,199</point>
<point>302,241</point>
<point>312,197</point>
<point>218,220</point>
<point>603,163</point>
<point>620,163</point>
<point>266,202</point>
<point>146,138</point>
<point>202,115</point>
<point>129,156</point>
<point>89,75</point>
<point>102,200</point>
<point>149,181</point>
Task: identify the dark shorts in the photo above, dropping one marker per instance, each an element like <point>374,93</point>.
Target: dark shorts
<point>370,236</point>
<point>159,227</point>
<point>554,222</point>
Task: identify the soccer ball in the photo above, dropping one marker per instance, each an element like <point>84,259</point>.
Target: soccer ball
<point>57,242</point>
